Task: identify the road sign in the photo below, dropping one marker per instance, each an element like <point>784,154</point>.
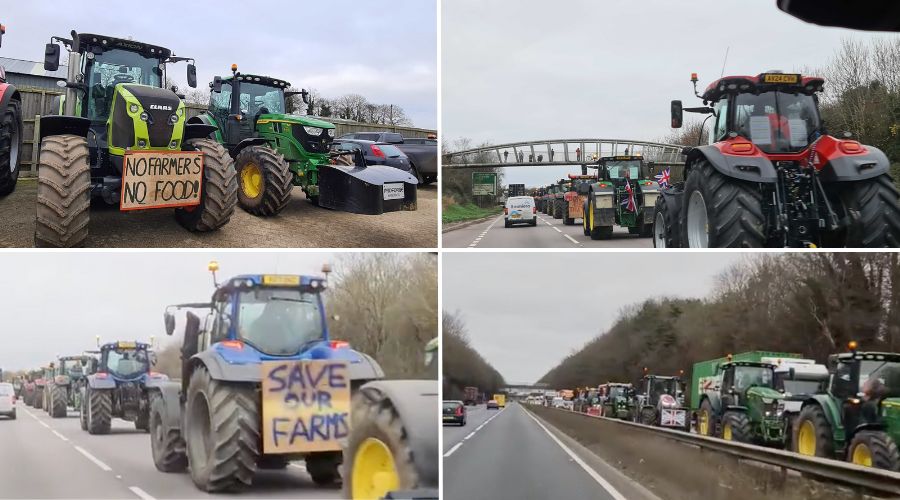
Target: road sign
<point>484,183</point>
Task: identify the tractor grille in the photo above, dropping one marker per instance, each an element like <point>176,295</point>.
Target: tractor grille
<point>159,129</point>
<point>312,144</point>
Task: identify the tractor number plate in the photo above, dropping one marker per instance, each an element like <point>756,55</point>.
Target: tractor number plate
<point>280,280</point>
<point>305,405</point>
<point>393,191</point>
<point>160,179</point>
<point>781,78</point>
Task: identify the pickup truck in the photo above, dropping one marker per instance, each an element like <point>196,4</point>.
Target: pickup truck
<point>422,152</point>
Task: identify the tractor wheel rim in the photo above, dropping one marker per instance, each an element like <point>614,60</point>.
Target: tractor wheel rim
<point>659,231</point>
<point>374,471</point>
<point>704,423</point>
<point>591,210</point>
<point>806,439</point>
<point>726,432</point>
<point>862,455</point>
<point>251,180</point>
<point>14,147</point>
<point>697,222</point>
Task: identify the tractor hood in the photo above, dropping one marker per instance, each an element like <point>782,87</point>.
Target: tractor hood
<point>766,394</point>
<point>304,120</point>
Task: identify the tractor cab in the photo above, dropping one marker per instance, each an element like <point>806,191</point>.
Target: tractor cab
<point>739,377</point>
<point>125,360</point>
<point>656,388</point>
<point>619,169</point>
<point>868,386</point>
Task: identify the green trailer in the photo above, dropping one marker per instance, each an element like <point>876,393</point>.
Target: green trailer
<point>734,398</point>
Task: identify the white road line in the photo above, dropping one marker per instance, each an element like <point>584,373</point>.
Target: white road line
<point>60,435</point>
<point>141,493</point>
<point>43,423</point>
<point>484,233</point>
<point>470,435</point>
<point>613,492</point>
<point>94,459</point>
<point>298,466</point>
<point>557,229</point>
<point>573,240</point>
<point>455,447</point>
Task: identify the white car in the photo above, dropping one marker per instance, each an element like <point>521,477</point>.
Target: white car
<point>520,210</point>
<point>7,400</point>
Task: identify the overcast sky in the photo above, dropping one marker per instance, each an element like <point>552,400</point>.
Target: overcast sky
<point>525,312</point>
<point>55,303</point>
<point>589,69</point>
<point>385,50</point>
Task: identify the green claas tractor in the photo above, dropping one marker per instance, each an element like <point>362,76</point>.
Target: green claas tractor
<point>617,401</point>
<point>660,402</point>
<point>736,400</point>
<point>622,196</point>
<point>120,136</point>
<point>66,382</point>
<point>274,151</point>
<point>857,418</point>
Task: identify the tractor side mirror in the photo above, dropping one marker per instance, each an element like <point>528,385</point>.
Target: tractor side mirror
<point>2,31</point>
<point>304,94</point>
<point>153,359</point>
<point>792,372</point>
<point>170,323</point>
<point>216,84</point>
<point>51,57</point>
<point>192,76</point>
<point>677,114</point>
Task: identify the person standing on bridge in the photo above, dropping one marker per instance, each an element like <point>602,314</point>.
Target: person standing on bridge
<point>551,155</point>
<point>505,156</point>
<point>577,154</point>
<point>521,157</point>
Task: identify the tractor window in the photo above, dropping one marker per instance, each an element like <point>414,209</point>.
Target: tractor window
<point>621,169</point>
<point>664,386</point>
<point>881,376</point>
<point>220,102</point>
<point>127,363</point>
<point>721,117</point>
<point>777,122</point>
<point>260,99</point>
<point>112,67</point>
<point>279,321</point>
<point>746,377</point>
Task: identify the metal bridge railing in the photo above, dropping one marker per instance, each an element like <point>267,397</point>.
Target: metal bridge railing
<point>561,152</point>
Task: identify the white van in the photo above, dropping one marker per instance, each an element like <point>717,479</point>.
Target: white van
<point>7,400</point>
<point>520,210</point>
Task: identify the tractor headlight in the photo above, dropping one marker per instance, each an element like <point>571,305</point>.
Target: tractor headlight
<point>144,116</point>
<point>173,119</point>
<point>779,409</point>
<point>133,108</point>
<point>173,145</point>
<point>312,130</point>
<point>331,133</point>
<point>142,143</point>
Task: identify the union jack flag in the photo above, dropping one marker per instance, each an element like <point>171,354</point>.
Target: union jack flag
<point>628,202</point>
<point>662,178</point>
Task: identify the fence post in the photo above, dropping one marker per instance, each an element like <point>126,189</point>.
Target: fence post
<point>36,144</point>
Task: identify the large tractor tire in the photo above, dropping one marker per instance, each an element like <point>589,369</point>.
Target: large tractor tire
<point>720,212</point>
<point>82,412</point>
<point>264,180</point>
<point>647,416</point>
<point>219,191</point>
<point>585,219</point>
<point>142,422</point>
<point>557,209</point>
<point>812,434</point>
<point>874,213</point>
<point>63,192</point>
<point>99,411</point>
<point>874,449</point>
<point>567,221</point>
<point>665,214</point>
<point>39,398</point>
<point>706,420</point>
<point>736,427</point>
<point>222,433</point>
<point>58,403</point>
<point>10,146</point>
<point>166,443</point>
<point>596,232</point>
<point>323,467</point>
<point>378,457</point>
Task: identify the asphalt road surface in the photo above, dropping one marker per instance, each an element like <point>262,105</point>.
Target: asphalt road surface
<point>549,233</point>
<point>509,454</point>
<point>44,457</point>
<point>299,225</point>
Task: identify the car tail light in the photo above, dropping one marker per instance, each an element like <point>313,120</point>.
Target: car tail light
<point>459,411</point>
<point>505,211</point>
<point>339,344</point>
<point>378,152</point>
<point>534,210</point>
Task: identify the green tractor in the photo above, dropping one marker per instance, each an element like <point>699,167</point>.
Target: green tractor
<point>65,383</point>
<point>274,151</point>
<point>120,136</point>
<point>623,195</point>
<point>558,204</point>
<point>617,401</point>
<point>857,418</point>
<point>738,401</point>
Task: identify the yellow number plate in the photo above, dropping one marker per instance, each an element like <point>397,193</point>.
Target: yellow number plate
<point>780,78</point>
<point>126,345</point>
<point>281,280</point>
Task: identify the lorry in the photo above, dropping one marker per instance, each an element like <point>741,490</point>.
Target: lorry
<point>471,396</point>
<point>857,417</point>
<point>515,190</point>
<point>500,399</point>
<point>623,195</point>
<point>11,131</point>
<point>660,402</point>
<point>421,151</point>
<point>734,398</point>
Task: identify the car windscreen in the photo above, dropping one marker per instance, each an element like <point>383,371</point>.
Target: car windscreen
<point>450,405</point>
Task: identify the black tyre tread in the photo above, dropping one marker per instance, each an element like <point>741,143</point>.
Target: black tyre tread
<point>82,412</point>
<point>670,235</point>
<point>648,416</point>
<point>705,406</point>
<point>585,218</point>
<point>9,174</point>
<point>373,415</point>
<point>38,399</point>
<point>875,209</point>
<point>737,220</point>
<point>741,430</point>
<point>169,455</point>
<point>824,436</point>
<point>58,403</point>
<point>885,454</point>
<point>142,422</point>
<point>100,411</point>
<point>219,192</point>
<point>235,414</point>
<point>323,467</point>
<point>277,180</point>
<point>63,192</point>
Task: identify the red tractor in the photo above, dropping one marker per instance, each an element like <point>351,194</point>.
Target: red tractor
<point>10,131</point>
<point>771,176</point>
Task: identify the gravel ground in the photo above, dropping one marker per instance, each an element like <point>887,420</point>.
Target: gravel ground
<point>299,225</point>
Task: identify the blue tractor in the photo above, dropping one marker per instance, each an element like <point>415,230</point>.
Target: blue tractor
<point>221,420</point>
<point>119,387</point>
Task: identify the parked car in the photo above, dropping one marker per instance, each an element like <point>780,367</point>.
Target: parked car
<point>493,405</point>
<point>7,400</point>
<point>376,153</point>
<point>422,152</point>
<point>520,210</point>
<point>454,412</point>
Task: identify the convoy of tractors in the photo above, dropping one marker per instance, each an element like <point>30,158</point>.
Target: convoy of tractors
<point>848,409</point>
<point>261,384</point>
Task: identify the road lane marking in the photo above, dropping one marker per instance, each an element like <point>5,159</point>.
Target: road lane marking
<point>573,240</point>
<point>470,435</point>
<point>484,233</point>
<point>141,493</point>
<point>455,447</point>
<point>94,459</point>
<point>613,492</point>
<point>298,466</point>
<point>43,423</point>
<point>60,435</point>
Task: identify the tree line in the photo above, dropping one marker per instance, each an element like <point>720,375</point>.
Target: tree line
<point>463,366</point>
<point>811,304</point>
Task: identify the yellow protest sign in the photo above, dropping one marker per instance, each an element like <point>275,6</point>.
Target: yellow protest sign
<point>306,405</point>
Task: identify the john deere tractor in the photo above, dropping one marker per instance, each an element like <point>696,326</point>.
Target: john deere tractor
<point>274,151</point>
<point>623,195</point>
<point>617,401</point>
<point>857,418</point>
<point>120,136</point>
<point>120,387</point>
<point>263,384</point>
<point>771,176</point>
<point>66,383</point>
<point>10,131</point>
